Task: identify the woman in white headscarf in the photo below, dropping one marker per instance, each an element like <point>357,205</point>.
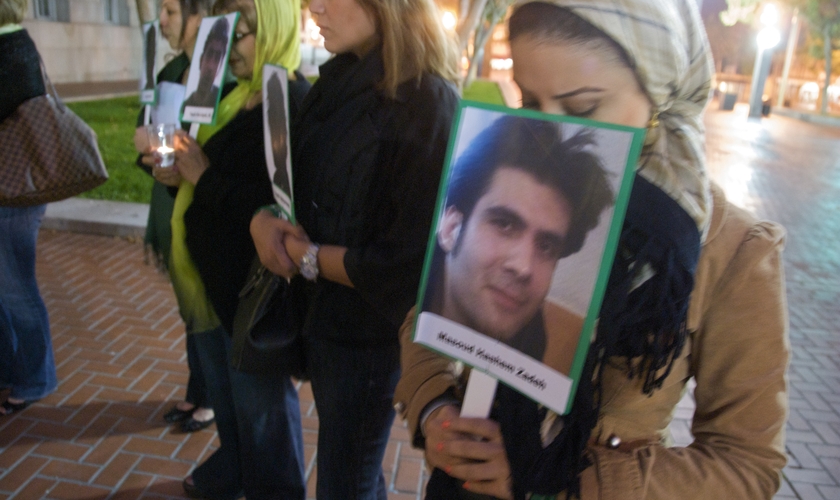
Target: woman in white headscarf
<point>696,291</point>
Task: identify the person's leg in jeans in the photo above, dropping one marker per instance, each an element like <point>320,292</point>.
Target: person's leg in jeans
<point>270,436</point>
<point>219,477</point>
<point>353,389</point>
<point>197,393</point>
<point>27,355</point>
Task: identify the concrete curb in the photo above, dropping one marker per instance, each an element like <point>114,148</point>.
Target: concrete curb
<point>104,218</point>
<point>831,121</point>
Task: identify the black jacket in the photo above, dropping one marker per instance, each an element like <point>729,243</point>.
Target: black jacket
<point>366,174</point>
<point>226,196</point>
<point>20,71</point>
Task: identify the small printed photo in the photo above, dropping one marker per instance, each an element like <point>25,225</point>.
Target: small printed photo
<point>208,68</point>
<point>278,157</point>
<point>169,103</point>
<point>148,74</point>
<point>519,246</point>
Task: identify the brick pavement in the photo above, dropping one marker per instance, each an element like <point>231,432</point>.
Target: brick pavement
<point>119,344</point>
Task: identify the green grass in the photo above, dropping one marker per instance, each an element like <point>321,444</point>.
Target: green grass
<point>114,122</point>
<point>484,91</point>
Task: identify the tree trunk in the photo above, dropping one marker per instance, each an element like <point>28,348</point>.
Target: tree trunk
<point>482,34</point>
<point>463,9</point>
<point>827,52</point>
<point>144,11</point>
<point>468,24</point>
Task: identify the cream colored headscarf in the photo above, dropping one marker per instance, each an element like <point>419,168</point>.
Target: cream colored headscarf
<point>667,44</point>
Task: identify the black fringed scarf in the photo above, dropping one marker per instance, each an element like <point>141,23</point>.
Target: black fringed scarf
<point>642,320</point>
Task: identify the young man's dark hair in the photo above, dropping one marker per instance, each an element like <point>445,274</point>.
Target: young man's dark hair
<point>219,31</point>
<point>537,147</point>
<point>212,54</point>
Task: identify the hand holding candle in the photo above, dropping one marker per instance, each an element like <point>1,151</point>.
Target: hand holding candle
<point>161,140</point>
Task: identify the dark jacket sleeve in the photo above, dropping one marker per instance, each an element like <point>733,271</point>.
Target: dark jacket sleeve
<point>386,272</point>
<point>226,197</point>
<point>20,71</point>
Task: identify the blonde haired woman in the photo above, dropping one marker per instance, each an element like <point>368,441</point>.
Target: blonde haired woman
<point>367,153</point>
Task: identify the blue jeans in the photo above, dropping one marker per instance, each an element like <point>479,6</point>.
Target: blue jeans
<point>197,392</point>
<point>353,388</point>
<point>258,421</point>
<point>27,364</point>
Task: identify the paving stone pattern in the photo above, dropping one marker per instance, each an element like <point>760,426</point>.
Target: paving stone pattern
<point>119,344</point>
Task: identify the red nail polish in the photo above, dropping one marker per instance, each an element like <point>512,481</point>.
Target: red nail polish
<point>447,469</point>
<point>466,485</point>
<point>439,447</point>
<point>446,424</point>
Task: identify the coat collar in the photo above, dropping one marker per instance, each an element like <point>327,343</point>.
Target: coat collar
<point>344,77</point>
<point>719,209</point>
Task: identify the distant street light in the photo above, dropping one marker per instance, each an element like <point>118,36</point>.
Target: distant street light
<point>766,39</point>
<point>449,20</point>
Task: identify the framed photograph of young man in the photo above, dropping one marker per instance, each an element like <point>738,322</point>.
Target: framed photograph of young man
<point>208,68</point>
<point>278,156</point>
<point>148,75</point>
<point>528,218</point>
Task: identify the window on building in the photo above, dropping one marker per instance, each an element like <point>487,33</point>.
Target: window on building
<point>53,10</point>
<point>116,11</point>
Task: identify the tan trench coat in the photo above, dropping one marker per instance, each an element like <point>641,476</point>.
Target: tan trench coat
<point>738,356</point>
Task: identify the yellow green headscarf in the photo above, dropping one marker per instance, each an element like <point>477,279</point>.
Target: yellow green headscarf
<point>277,42</point>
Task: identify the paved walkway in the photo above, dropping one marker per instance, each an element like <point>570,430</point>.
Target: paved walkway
<point>119,343</point>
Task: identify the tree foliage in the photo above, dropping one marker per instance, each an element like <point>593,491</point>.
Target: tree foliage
<point>739,11</point>
<point>494,13</point>
<point>821,16</point>
<point>823,19</point>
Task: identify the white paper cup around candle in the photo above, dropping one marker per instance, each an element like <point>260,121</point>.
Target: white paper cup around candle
<point>161,139</point>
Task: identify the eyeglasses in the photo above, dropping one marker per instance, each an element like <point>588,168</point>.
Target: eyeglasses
<point>237,37</point>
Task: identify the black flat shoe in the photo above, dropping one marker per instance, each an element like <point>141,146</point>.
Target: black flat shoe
<point>9,407</point>
<point>176,415</point>
<point>193,425</point>
<point>191,490</point>
<point>194,491</point>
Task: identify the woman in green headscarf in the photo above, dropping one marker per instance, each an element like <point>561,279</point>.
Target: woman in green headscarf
<point>222,179</point>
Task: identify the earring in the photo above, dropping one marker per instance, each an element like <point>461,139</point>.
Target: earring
<point>654,121</point>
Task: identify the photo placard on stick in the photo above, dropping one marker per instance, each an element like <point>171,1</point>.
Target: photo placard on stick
<point>526,225</point>
<point>278,156</point>
<point>148,73</point>
<point>208,68</point>
<point>169,103</point>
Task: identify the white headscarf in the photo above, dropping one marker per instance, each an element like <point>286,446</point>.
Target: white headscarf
<point>667,44</point>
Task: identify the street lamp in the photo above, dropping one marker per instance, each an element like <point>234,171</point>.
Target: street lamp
<point>766,39</point>
<point>449,20</point>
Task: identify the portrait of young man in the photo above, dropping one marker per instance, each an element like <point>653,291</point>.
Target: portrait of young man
<point>278,132</point>
<point>150,47</point>
<point>521,197</point>
<point>210,65</point>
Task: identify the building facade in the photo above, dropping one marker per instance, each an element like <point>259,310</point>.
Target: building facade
<point>87,41</point>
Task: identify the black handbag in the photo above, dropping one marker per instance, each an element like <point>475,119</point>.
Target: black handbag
<point>267,326</point>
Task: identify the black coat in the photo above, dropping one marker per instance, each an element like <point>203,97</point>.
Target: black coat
<point>20,71</point>
<point>226,196</point>
<point>366,174</point>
